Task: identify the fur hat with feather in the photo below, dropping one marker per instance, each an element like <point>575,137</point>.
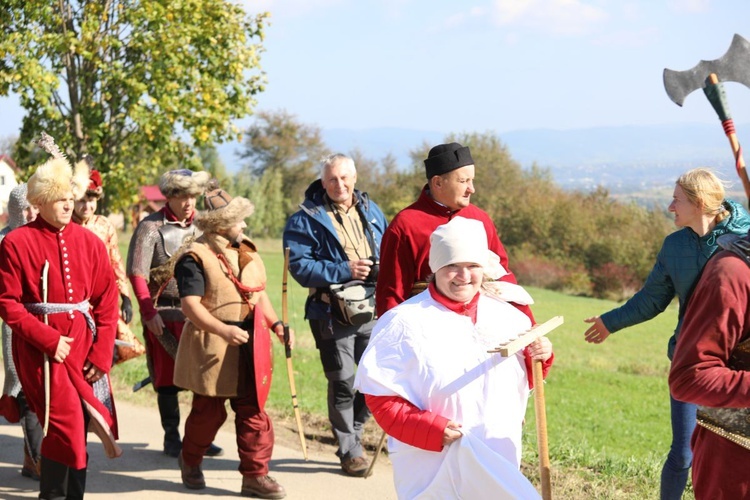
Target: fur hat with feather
<point>55,178</point>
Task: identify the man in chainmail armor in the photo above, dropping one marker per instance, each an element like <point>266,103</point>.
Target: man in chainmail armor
<point>156,243</point>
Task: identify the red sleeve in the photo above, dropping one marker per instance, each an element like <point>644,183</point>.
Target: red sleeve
<point>407,423</point>
<point>143,296</point>
<point>546,365</point>
<point>395,275</point>
<point>23,323</point>
<point>716,321</point>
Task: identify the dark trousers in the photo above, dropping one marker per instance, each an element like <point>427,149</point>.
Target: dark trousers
<point>59,481</point>
<point>32,429</point>
<point>340,348</point>
<point>253,427</point>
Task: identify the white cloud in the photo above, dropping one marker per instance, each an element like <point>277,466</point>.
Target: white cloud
<point>561,17</point>
<point>461,18</point>
<point>689,6</point>
<point>643,37</point>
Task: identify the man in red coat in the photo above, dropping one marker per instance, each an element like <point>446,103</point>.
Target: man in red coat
<point>64,324</point>
<point>405,249</point>
<point>711,368</point>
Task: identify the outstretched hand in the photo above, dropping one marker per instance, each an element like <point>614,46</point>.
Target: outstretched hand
<point>597,332</point>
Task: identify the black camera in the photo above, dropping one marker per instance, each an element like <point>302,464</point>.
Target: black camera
<point>374,270</point>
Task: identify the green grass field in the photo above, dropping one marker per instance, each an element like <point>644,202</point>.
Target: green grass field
<point>607,405</point>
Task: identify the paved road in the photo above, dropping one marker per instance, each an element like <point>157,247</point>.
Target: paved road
<point>144,472</point>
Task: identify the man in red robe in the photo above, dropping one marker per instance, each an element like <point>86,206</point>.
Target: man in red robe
<point>69,318</point>
<point>711,368</point>
<point>405,249</point>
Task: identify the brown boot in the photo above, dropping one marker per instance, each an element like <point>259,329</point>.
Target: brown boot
<point>30,468</point>
<point>261,487</point>
<point>192,477</point>
<point>356,466</point>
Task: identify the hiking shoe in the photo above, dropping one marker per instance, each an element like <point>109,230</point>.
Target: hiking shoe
<point>261,487</point>
<point>356,466</point>
<point>192,476</point>
<point>213,451</point>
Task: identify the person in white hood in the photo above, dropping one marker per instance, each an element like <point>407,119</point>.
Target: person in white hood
<point>453,411</point>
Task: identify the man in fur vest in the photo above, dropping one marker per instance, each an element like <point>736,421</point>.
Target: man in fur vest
<point>151,256</point>
<point>58,295</point>
<point>225,350</point>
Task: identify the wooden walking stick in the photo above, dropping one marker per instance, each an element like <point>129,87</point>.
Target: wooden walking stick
<point>381,442</point>
<point>288,351</point>
<point>512,347</point>
<point>45,272</point>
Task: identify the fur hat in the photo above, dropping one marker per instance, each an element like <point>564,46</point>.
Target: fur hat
<point>222,211</point>
<point>55,178</point>
<point>444,158</point>
<point>17,203</point>
<point>183,182</point>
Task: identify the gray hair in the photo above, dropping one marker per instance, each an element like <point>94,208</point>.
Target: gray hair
<point>330,160</point>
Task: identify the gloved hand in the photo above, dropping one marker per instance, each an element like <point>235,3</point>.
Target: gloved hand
<point>126,309</point>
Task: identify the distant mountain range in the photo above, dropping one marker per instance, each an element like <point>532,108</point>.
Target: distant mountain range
<point>623,159</point>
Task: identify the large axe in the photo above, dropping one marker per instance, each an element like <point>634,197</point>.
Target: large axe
<point>734,66</point>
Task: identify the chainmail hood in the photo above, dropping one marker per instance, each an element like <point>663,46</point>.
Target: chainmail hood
<point>16,205</point>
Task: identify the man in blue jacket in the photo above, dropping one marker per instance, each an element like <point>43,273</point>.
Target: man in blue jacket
<point>335,238</point>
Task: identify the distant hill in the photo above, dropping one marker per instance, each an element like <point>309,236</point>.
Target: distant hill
<point>624,159</point>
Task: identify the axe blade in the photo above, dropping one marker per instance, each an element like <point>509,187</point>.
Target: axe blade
<point>734,66</point>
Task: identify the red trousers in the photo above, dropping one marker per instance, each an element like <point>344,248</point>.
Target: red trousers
<point>254,431</point>
<point>163,363</point>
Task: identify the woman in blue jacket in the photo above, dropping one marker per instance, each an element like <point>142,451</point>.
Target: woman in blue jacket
<point>703,215</point>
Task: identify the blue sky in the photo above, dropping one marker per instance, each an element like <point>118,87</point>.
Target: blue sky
<point>500,65</point>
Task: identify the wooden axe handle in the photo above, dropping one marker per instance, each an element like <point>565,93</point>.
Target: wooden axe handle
<point>735,144</point>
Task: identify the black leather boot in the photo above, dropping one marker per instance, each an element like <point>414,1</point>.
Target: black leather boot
<point>169,410</point>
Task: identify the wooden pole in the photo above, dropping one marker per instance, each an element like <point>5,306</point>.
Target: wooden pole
<point>508,349</point>
<point>47,385</point>
<point>288,352</point>
<point>540,411</point>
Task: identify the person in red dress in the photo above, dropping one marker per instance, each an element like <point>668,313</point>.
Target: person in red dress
<point>405,249</point>
<point>70,318</point>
